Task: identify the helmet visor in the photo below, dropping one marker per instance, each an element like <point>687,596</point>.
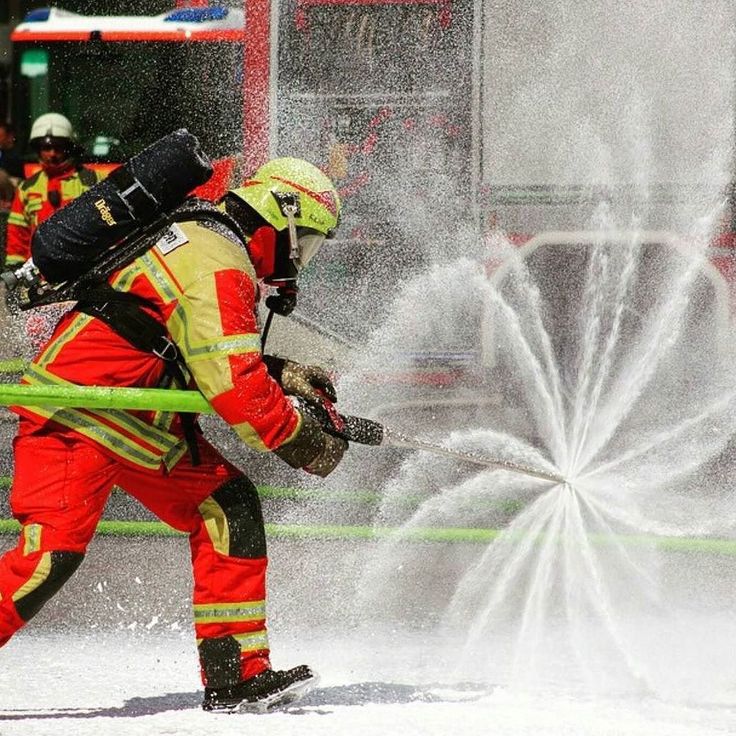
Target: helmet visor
<point>52,143</point>
<point>308,243</point>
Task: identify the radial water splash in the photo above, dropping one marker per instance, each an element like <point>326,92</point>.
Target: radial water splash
<point>624,385</point>
<point>602,349</point>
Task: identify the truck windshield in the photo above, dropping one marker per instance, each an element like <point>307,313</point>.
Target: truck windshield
<point>123,96</point>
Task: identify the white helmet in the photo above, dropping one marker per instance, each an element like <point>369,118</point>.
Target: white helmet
<point>51,125</point>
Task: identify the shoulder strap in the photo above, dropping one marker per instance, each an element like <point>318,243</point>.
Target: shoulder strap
<point>88,177</point>
<point>200,210</point>
<point>30,182</point>
<point>124,313</point>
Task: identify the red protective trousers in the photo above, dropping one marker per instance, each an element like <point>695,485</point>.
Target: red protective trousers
<point>60,488</point>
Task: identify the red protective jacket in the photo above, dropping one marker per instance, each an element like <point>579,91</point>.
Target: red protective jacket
<point>204,289</point>
<point>35,200</point>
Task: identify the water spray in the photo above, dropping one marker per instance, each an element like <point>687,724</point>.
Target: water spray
<point>369,432</point>
<point>353,429</point>
<point>398,440</point>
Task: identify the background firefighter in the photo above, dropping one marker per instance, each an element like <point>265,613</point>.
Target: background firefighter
<point>202,284</point>
<point>60,179</point>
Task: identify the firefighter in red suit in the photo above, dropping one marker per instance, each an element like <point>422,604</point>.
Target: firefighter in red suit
<point>202,283</point>
<point>59,180</point>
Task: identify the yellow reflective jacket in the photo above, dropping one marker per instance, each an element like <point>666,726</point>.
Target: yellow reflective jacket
<point>202,287</point>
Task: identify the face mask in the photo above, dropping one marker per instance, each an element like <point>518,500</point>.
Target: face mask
<point>308,243</point>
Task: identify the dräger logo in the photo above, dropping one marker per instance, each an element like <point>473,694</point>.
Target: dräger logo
<point>105,212</point>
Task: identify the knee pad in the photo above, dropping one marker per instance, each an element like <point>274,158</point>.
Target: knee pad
<point>60,567</point>
<point>239,502</point>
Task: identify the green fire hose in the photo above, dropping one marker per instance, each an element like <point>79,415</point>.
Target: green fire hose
<point>354,429</point>
<point>192,401</point>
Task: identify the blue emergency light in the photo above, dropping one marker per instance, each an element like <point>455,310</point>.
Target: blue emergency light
<point>197,15</point>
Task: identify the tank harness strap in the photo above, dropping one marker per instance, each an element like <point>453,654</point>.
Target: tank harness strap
<point>123,312</point>
<point>198,210</point>
<point>142,204</point>
<point>87,176</point>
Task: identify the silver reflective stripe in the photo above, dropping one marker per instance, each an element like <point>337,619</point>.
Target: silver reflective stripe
<point>253,641</point>
<point>246,611</point>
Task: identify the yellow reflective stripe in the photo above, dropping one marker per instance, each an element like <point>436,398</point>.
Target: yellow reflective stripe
<point>169,292</point>
<point>103,435</point>
<point>31,538</point>
<point>16,218</point>
<point>224,346</point>
<point>252,641</point>
<point>216,524</point>
<point>55,347</point>
<point>178,325</point>
<point>126,277</point>
<point>163,420</point>
<point>166,288</point>
<point>169,448</point>
<point>13,261</point>
<point>173,456</point>
<point>162,440</point>
<point>153,435</point>
<point>244,611</point>
<point>39,576</point>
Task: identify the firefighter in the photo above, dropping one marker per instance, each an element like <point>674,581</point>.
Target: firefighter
<point>60,179</point>
<point>201,282</point>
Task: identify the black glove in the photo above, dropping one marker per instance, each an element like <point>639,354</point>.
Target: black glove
<point>310,382</point>
<point>313,450</point>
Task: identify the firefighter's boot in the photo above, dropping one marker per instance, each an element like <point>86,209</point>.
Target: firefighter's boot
<point>268,690</point>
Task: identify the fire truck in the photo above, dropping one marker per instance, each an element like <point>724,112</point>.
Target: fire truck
<point>317,78</point>
<point>126,81</point>
<point>393,98</point>
<point>377,92</point>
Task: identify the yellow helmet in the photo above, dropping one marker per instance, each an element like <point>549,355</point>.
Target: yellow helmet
<point>292,194</point>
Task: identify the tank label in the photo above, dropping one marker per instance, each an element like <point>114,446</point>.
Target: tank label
<point>171,239</point>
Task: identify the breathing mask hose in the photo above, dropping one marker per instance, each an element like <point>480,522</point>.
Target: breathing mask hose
<point>283,303</point>
<point>266,328</point>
